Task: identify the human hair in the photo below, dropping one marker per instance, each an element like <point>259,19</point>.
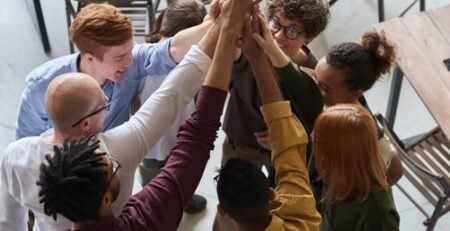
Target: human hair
<point>97,26</point>
<point>74,181</point>
<point>243,192</point>
<point>363,62</point>
<point>312,14</point>
<point>179,15</point>
<point>346,153</point>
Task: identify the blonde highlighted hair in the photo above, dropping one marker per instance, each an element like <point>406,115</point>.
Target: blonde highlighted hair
<point>346,153</point>
<point>98,26</point>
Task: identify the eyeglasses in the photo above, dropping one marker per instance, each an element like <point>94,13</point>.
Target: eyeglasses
<point>105,107</point>
<point>289,31</point>
<point>116,165</point>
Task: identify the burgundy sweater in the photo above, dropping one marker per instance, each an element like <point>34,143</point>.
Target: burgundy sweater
<point>159,205</point>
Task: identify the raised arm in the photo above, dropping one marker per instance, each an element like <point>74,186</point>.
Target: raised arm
<point>162,200</point>
<point>262,68</point>
<point>183,40</point>
<point>130,142</point>
<point>288,152</point>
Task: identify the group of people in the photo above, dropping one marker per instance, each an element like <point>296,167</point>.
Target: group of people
<point>89,120</point>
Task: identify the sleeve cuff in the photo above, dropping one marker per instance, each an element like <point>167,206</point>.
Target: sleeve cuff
<point>276,110</point>
<point>285,73</point>
<point>170,61</point>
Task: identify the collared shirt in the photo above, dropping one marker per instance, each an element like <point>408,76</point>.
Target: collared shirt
<point>128,144</point>
<point>159,205</point>
<point>294,207</point>
<point>148,59</point>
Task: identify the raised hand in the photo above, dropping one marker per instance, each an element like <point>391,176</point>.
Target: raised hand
<point>248,45</point>
<point>266,41</point>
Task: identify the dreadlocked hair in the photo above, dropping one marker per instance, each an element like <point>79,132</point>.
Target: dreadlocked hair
<point>74,181</point>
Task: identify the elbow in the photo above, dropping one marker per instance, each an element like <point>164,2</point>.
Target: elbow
<point>395,170</point>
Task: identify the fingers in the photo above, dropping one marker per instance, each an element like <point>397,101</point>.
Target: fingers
<point>264,27</point>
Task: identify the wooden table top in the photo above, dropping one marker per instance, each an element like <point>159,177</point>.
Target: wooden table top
<point>423,42</point>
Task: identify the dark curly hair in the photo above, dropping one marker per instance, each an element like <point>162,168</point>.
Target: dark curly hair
<point>243,192</point>
<point>179,15</point>
<point>363,63</point>
<point>74,180</point>
<point>313,14</point>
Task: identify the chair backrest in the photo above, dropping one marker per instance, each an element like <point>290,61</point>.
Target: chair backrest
<point>140,12</point>
<point>426,161</point>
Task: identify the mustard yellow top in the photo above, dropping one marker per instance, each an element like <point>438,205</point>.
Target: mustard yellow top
<point>294,207</point>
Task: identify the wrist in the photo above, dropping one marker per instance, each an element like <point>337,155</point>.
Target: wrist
<point>278,58</point>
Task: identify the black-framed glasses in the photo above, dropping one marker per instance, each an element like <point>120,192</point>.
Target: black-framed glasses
<point>116,165</point>
<point>290,32</point>
<point>104,107</point>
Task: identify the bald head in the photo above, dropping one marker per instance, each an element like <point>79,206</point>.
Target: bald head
<point>70,97</point>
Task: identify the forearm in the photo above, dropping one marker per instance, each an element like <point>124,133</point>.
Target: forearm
<point>208,43</point>
<point>183,40</point>
<point>288,143</point>
<point>163,199</point>
<point>265,80</point>
<point>277,57</point>
<point>220,72</point>
<point>293,190</point>
<point>302,91</point>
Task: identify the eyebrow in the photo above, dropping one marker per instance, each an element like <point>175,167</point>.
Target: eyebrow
<point>120,56</point>
<point>297,27</point>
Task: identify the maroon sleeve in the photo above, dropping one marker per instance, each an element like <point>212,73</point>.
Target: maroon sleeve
<point>159,205</point>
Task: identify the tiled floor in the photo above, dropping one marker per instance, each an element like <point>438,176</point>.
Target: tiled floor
<point>21,51</point>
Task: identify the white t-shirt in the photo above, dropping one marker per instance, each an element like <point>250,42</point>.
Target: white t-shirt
<point>128,143</point>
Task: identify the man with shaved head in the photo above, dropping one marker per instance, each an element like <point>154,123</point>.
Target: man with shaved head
<point>77,106</point>
<point>72,96</point>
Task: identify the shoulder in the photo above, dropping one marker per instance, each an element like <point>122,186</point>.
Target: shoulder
<point>46,72</point>
<point>20,152</point>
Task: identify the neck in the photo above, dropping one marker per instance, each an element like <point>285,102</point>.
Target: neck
<point>255,227</point>
<point>81,225</point>
<point>85,67</point>
<point>57,137</point>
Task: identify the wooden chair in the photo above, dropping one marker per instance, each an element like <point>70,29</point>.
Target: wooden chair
<point>426,163</point>
<point>140,12</point>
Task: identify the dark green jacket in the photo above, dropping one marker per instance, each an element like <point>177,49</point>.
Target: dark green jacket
<point>377,213</point>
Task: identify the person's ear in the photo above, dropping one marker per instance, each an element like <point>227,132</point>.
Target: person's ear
<point>220,210</point>
<point>107,199</point>
<point>356,94</point>
<point>89,57</point>
<point>85,126</point>
<point>272,194</point>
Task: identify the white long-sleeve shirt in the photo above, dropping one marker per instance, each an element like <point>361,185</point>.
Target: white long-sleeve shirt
<point>160,151</point>
<point>128,143</point>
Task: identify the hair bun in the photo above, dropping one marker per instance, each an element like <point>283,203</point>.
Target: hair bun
<point>380,49</point>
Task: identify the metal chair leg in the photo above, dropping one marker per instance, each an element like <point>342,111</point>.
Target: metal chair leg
<point>394,95</point>
<point>41,24</point>
<point>70,12</point>
<point>380,10</point>
<point>422,5</point>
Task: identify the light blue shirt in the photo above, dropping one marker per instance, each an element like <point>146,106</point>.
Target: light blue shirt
<point>148,60</point>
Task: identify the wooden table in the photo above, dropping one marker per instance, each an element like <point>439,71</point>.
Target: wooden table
<point>423,42</point>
